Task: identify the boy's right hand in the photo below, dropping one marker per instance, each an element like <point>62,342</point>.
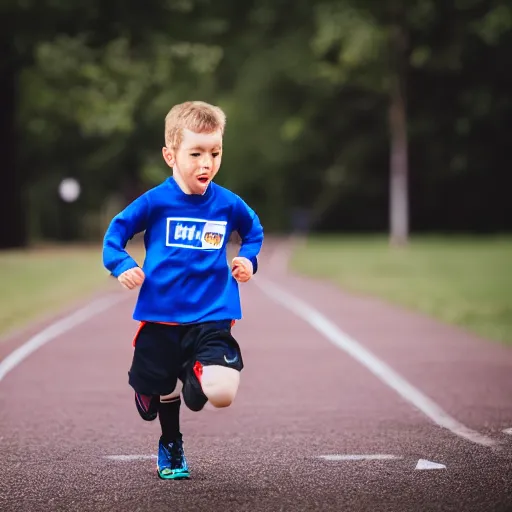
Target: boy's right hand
<point>132,278</point>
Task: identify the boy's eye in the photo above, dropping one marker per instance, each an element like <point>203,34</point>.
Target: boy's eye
<point>215,155</point>
<point>194,154</point>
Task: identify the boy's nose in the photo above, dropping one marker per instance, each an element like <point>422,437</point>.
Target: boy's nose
<point>205,163</point>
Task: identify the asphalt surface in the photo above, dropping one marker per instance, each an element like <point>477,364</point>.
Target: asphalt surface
<point>71,439</point>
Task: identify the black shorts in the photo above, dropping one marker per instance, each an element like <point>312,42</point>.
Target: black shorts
<point>165,353</point>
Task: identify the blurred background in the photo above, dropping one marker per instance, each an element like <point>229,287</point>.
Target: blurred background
<point>385,118</point>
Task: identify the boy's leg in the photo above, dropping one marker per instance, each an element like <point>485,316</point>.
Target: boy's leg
<point>172,463</point>
<point>220,384</point>
<point>214,367</point>
<point>169,417</point>
<point>154,378</point>
<point>151,374</point>
<point>147,406</point>
<point>169,414</point>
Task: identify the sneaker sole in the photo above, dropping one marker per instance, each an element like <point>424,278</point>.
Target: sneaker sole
<point>182,475</point>
<point>192,392</point>
<point>146,416</point>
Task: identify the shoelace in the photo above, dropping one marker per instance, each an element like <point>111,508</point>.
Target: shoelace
<point>176,453</point>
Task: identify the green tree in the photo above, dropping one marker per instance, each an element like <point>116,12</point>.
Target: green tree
<point>72,71</point>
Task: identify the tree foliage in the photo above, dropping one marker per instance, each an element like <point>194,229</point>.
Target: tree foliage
<point>306,87</point>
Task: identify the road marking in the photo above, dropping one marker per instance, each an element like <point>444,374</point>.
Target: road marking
<point>508,431</point>
<point>376,456</point>
<point>129,458</point>
<point>54,330</point>
<point>380,369</point>
<point>427,464</point>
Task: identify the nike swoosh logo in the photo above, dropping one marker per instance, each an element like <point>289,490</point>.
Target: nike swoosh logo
<point>231,361</point>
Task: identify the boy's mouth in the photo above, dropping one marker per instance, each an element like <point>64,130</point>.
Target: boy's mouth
<point>203,179</point>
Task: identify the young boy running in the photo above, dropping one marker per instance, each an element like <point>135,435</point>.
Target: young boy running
<point>189,295</point>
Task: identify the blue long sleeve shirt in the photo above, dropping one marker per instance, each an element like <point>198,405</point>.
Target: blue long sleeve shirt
<point>188,278</point>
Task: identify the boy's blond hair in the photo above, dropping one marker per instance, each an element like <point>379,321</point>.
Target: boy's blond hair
<point>197,116</point>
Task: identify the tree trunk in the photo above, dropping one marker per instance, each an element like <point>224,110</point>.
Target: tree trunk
<point>398,183</point>
<point>13,231</point>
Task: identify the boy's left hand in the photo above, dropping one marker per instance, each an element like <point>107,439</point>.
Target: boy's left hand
<point>241,269</point>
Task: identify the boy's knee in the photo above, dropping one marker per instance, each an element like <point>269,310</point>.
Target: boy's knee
<point>221,397</point>
<point>220,385</point>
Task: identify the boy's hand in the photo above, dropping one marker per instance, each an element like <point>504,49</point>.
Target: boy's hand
<point>132,278</point>
<point>241,269</point>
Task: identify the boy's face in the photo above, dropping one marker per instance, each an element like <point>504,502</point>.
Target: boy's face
<point>197,160</point>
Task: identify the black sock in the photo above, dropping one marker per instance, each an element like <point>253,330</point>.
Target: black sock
<point>169,416</point>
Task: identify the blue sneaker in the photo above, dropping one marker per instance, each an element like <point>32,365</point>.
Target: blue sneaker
<point>172,464</point>
<point>147,406</point>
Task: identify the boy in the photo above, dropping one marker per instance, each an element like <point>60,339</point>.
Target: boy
<point>189,296</point>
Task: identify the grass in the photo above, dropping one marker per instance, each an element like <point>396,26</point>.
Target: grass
<point>460,280</point>
<point>42,281</point>
<point>464,281</point>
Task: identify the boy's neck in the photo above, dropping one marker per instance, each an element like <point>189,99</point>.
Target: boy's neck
<point>181,184</point>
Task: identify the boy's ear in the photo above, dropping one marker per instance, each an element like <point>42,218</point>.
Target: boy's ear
<point>168,155</point>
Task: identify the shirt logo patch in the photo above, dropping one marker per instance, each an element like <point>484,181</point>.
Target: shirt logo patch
<point>195,233</point>
<point>214,239</point>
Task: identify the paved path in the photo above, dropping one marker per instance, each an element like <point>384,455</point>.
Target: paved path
<point>70,438</point>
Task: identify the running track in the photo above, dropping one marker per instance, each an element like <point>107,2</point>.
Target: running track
<point>70,438</point>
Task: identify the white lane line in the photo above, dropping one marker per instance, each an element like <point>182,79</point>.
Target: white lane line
<point>427,464</point>
<point>380,369</point>
<point>129,458</point>
<point>54,330</point>
<point>376,456</point>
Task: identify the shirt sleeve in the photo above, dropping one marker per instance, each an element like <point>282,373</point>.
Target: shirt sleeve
<point>250,230</point>
<point>123,227</point>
